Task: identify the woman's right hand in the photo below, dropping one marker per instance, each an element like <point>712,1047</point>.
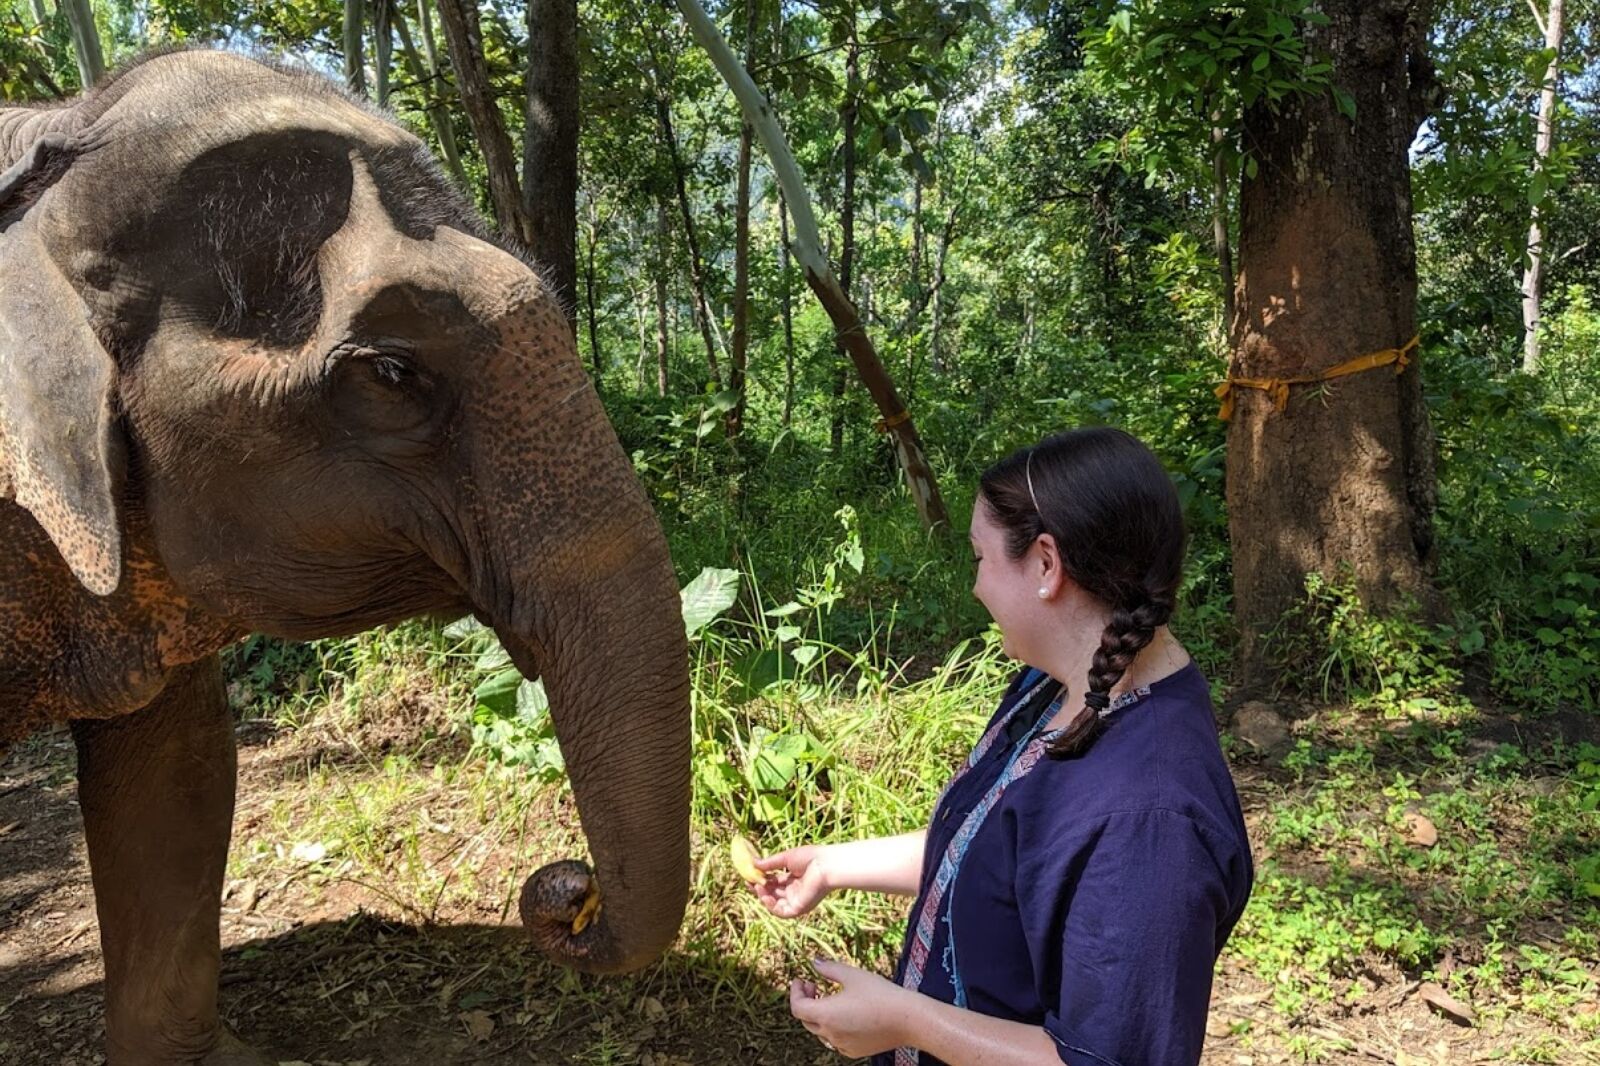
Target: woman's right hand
<point>796,881</point>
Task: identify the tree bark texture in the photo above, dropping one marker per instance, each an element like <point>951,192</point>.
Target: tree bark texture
<point>464,41</point>
<point>739,355</point>
<point>1533,275</point>
<point>1343,477</point>
<point>85,40</point>
<point>427,74</point>
<point>383,47</point>
<point>849,114</point>
<point>787,298</point>
<point>550,146</point>
<point>355,65</point>
<point>663,255</point>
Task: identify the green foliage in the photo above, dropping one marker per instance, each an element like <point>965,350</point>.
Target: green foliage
<point>1336,646</point>
<point>265,674</point>
<point>1520,523</point>
<point>1016,282</point>
<point>510,719</point>
<point>1477,158</point>
<point>1193,66</point>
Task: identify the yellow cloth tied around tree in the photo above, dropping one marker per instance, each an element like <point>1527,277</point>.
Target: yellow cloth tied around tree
<point>1278,388</point>
<point>884,425</point>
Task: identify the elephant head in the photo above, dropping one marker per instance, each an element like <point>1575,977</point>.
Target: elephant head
<point>248,330</point>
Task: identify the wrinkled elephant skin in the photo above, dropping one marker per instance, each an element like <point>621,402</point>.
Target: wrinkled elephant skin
<point>261,370</point>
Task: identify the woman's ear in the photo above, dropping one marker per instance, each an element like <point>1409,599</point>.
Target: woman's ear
<point>1046,565</point>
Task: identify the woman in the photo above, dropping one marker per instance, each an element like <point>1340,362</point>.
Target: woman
<point>1086,864</point>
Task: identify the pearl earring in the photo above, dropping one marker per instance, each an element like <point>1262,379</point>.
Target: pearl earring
<point>1044,593</point>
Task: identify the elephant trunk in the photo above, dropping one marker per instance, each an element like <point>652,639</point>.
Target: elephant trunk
<point>584,596</point>
<point>615,669</point>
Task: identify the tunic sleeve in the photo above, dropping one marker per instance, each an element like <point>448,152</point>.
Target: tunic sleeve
<point>1123,928</point>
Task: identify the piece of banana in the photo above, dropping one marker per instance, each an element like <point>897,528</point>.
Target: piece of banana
<point>744,855</point>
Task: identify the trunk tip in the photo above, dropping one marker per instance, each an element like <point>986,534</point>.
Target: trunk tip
<point>563,911</point>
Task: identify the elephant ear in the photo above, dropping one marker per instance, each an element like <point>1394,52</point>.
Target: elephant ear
<point>61,451</point>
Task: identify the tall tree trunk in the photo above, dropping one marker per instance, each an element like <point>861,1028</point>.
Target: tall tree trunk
<point>787,298</point>
<point>1342,478</point>
<point>1533,275</point>
<point>640,297</point>
<point>464,40</point>
<point>697,277</point>
<point>849,113</point>
<point>355,64</point>
<point>590,285</point>
<point>935,331</point>
<point>1219,221</point>
<point>383,39</point>
<point>550,146</point>
<point>741,248</point>
<point>663,258</point>
<point>918,237</point>
<point>85,40</point>
<point>427,76</point>
<point>41,13</point>
<point>920,481</point>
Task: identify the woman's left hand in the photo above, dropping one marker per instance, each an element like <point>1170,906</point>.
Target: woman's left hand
<point>868,1014</point>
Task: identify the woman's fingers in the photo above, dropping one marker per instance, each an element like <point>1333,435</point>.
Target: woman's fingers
<point>780,861</point>
<point>803,1003</point>
<point>837,972</point>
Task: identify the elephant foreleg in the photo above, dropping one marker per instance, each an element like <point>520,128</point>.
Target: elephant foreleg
<point>156,790</point>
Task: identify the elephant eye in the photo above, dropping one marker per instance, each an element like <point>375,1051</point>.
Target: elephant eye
<point>382,388</point>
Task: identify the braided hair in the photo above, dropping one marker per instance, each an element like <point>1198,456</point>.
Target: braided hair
<point>1114,514</point>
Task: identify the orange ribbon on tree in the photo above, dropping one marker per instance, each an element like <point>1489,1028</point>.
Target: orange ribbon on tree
<point>1278,388</point>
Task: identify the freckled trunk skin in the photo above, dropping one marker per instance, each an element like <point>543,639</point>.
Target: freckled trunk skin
<point>587,599</point>
<point>1327,272</point>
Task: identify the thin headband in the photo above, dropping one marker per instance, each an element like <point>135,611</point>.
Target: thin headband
<point>1031,496</point>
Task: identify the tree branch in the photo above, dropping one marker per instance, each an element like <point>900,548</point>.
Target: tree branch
<point>1538,19</point>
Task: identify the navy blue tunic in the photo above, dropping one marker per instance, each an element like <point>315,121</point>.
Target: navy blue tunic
<point>1095,896</point>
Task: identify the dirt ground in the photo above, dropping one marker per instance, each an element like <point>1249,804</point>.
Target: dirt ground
<point>327,979</point>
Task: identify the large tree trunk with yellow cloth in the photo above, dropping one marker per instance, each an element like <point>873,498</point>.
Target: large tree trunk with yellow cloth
<point>1330,453</point>
<point>850,330</point>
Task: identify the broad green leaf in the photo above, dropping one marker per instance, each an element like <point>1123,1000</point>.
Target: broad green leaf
<point>712,591</point>
<point>494,658</point>
<point>533,705</point>
<point>498,693</point>
<point>772,771</point>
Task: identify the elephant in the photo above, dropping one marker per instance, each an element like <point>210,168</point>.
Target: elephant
<point>262,370</point>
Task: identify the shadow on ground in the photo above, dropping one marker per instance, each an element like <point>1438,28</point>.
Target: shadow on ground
<point>367,990</point>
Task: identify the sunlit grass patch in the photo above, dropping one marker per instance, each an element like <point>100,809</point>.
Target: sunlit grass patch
<point>1439,857</point>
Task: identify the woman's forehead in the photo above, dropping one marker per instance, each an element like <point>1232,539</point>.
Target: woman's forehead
<point>982,523</point>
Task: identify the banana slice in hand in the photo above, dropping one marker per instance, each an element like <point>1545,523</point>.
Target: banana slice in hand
<point>744,855</point>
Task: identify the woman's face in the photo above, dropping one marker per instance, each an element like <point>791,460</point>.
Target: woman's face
<point>1008,588</point>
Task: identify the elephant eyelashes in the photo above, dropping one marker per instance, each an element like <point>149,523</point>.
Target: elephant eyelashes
<point>391,369</point>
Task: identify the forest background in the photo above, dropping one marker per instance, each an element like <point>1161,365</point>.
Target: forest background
<point>1043,214</point>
